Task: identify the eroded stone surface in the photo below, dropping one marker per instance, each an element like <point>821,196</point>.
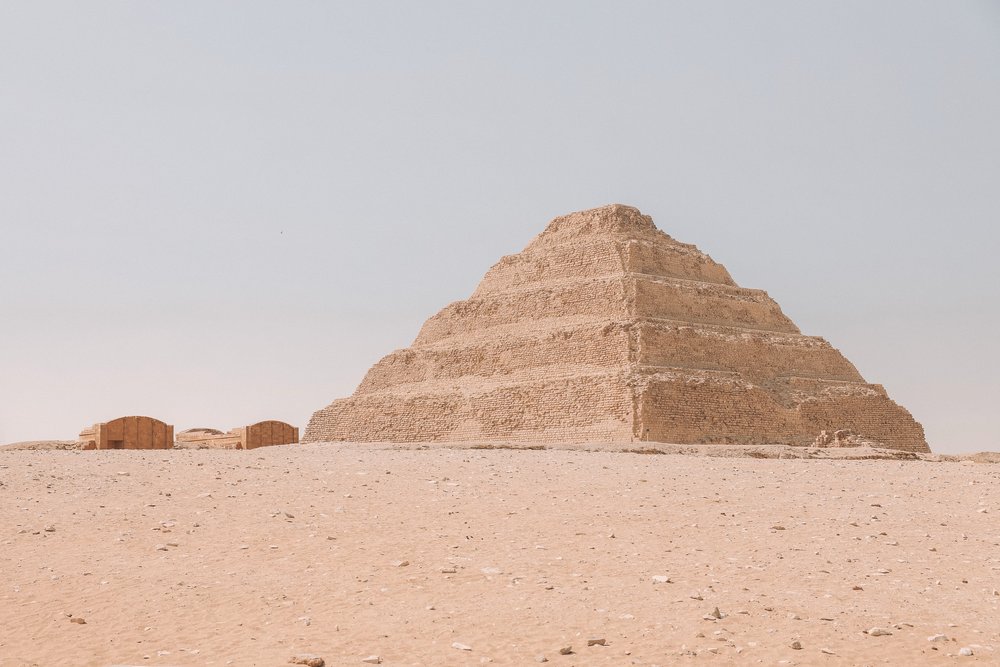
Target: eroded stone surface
<point>606,329</point>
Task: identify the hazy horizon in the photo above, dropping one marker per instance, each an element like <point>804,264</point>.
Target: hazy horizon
<point>218,213</point>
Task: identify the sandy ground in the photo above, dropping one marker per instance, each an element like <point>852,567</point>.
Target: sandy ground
<point>248,558</point>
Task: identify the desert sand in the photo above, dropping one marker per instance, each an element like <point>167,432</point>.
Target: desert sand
<point>434,556</point>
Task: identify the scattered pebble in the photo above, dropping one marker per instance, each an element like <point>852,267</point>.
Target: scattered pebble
<point>461,647</point>
<point>77,620</point>
<point>307,659</point>
<point>566,650</point>
<point>597,641</point>
<point>797,645</point>
<point>966,651</point>
<point>938,638</point>
<point>373,660</point>
<point>878,632</point>
<point>661,579</point>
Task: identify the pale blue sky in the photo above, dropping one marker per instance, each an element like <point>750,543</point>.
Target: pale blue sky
<point>169,171</point>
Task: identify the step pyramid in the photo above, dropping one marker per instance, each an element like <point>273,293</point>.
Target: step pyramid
<point>605,329</point>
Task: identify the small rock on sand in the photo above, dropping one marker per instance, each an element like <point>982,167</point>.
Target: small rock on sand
<point>597,641</point>
<point>566,650</point>
<point>77,620</point>
<point>661,579</point>
<point>307,659</point>
<point>966,651</point>
<point>878,632</point>
<point>373,660</point>
<point>461,647</point>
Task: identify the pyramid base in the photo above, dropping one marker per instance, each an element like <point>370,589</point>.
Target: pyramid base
<point>724,409</point>
<point>577,408</point>
<point>678,407</point>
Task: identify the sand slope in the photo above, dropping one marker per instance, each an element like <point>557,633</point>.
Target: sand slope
<point>515,554</point>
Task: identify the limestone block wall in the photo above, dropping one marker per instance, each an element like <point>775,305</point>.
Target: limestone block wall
<point>603,257</point>
<point>721,408</point>
<point>386,417</point>
<point>873,417</point>
<point>596,406</point>
<point>614,298</point>
<point>592,259</point>
<point>595,344</point>
<point>675,260</point>
<point>592,405</point>
<point>756,355</point>
<point>708,408</point>
<point>605,297</point>
<point>707,303</point>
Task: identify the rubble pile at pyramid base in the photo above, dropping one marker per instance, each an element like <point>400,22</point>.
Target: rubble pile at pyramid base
<point>605,329</point>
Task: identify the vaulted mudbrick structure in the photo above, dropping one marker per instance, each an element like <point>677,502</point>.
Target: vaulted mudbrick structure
<point>133,432</point>
<point>261,434</point>
<point>605,329</point>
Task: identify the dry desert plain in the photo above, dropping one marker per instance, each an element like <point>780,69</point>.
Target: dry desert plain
<point>451,556</point>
